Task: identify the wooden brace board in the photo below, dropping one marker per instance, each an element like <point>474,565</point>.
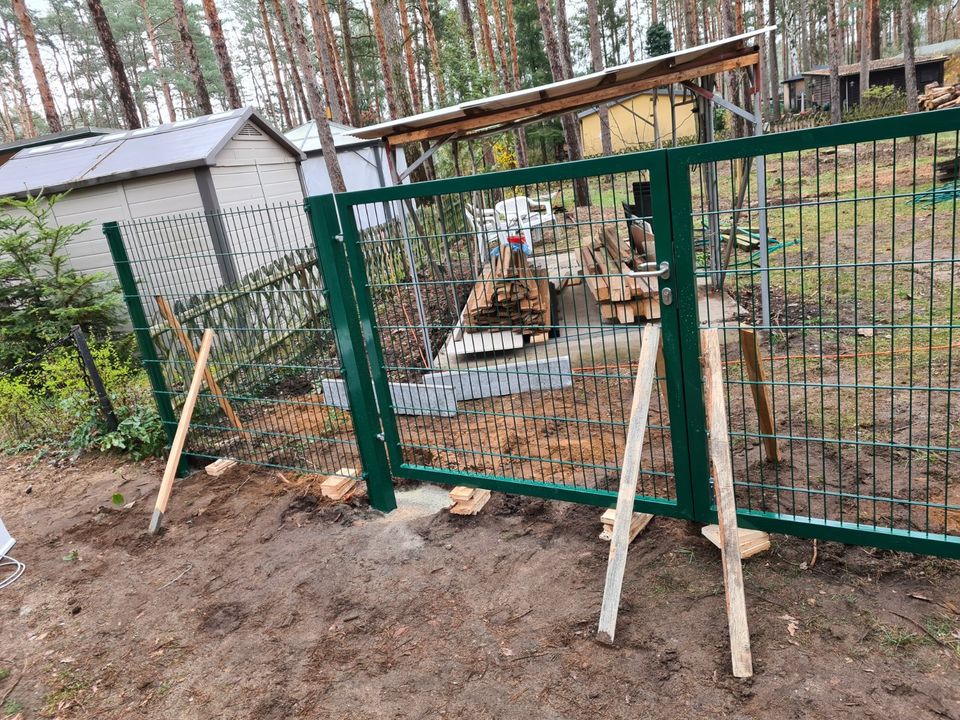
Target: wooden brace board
<point>620,542</point>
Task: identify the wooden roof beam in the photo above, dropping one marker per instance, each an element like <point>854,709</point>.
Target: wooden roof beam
<point>570,103</point>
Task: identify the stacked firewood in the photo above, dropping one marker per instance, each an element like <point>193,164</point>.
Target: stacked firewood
<point>607,259</point>
<point>935,97</point>
<point>510,295</point>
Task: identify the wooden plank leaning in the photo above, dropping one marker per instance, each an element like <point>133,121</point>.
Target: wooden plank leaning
<point>620,542</point>
<point>180,438</point>
<point>212,383</point>
<point>740,654</point>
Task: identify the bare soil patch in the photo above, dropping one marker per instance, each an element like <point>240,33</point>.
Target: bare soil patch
<point>261,600</point>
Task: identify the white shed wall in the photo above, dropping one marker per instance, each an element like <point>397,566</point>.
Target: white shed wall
<point>359,167</point>
<point>255,170</point>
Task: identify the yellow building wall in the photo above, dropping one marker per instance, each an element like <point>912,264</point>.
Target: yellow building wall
<point>627,131</point>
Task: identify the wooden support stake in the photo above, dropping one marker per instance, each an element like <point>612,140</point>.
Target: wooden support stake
<point>726,507</point>
<point>166,485</point>
<point>626,495</point>
<point>750,348</point>
<point>181,334</point>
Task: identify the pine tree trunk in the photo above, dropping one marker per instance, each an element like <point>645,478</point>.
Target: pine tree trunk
<point>581,191</point>
<point>773,72</point>
<point>313,98</point>
<point>385,61</point>
<point>328,70</point>
<point>563,35</point>
<point>343,11</point>
<point>864,38</point>
<point>406,40</point>
<point>690,15</point>
<point>292,59</point>
<point>193,60</point>
<point>596,59</point>
<point>333,52</point>
<point>223,55</point>
<point>39,72</point>
<point>115,62</point>
<point>434,52</point>
<point>275,63</point>
<point>909,59</point>
<point>483,19</point>
<point>522,154</point>
<point>466,18</point>
<point>833,41</point>
<point>505,74</point>
<point>630,50</point>
<point>157,62</point>
<point>875,30</point>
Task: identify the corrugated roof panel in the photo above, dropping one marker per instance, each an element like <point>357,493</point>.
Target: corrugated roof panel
<point>131,153</point>
<point>621,74</point>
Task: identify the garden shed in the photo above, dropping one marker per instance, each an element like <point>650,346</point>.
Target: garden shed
<point>194,167</point>
<point>363,162</point>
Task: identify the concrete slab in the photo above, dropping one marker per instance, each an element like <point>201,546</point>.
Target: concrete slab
<point>504,378</point>
<point>407,398</point>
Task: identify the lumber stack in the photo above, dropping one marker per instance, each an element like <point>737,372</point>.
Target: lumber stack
<point>937,97</point>
<point>607,259</point>
<point>510,295</point>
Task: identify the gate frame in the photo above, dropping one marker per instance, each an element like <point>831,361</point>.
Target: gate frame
<point>655,163</point>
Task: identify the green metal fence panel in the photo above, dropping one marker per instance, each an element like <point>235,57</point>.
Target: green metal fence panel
<point>844,264</point>
<point>502,325</point>
<point>275,343</point>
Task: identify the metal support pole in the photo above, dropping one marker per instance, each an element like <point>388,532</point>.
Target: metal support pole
<point>106,405</point>
<point>412,262</point>
<point>713,197</point>
<point>141,329</point>
<point>761,201</point>
<point>324,227</point>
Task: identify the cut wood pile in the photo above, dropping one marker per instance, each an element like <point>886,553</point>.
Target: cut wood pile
<point>937,97</point>
<point>607,259</point>
<point>510,295</point>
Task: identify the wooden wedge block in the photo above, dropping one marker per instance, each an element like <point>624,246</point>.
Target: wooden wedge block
<point>461,493</point>
<point>219,467</point>
<point>336,487</point>
<point>472,504</point>
<point>637,523</point>
<point>751,541</point>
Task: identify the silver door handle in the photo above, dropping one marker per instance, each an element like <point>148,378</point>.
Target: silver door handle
<point>661,270</point>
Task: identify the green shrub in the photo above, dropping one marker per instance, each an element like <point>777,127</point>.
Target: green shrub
<point>50,403</point>
<point>877,101</point>
<point>41,296</point>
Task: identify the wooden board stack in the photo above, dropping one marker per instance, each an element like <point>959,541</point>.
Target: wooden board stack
<point>751,541</point>
<point>219,467</point>
<point>468,500</point>
<point>336,487</point>
<point>637,523</point>
<point>935,97</point>
<point>607,258</point>
<point>509,295</point>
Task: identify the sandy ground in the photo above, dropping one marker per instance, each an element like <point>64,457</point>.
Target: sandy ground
<point>259,601</point>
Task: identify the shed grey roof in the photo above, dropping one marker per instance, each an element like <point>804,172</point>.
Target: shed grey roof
<point>129,153</point>
<point>306,138</point>
<point>71,134</point>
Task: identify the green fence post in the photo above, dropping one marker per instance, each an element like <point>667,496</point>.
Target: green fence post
<point>686,299</point>
<point>141,329</point>
<point>338,292</point>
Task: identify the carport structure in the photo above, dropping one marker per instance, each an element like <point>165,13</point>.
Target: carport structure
<point>693,68</point>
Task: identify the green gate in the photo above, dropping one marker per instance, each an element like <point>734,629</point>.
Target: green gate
<point>828,257</point>
<point>519,380</point>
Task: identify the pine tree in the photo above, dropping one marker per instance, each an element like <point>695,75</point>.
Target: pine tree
<point>115,62</point>
<point>223,55</point>
<point>193,60</point>
<point>39,72</point>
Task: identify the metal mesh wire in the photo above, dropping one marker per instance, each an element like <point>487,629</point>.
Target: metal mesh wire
<point>550,379</point>
<point>852,296</point>
<point>251,275</point>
